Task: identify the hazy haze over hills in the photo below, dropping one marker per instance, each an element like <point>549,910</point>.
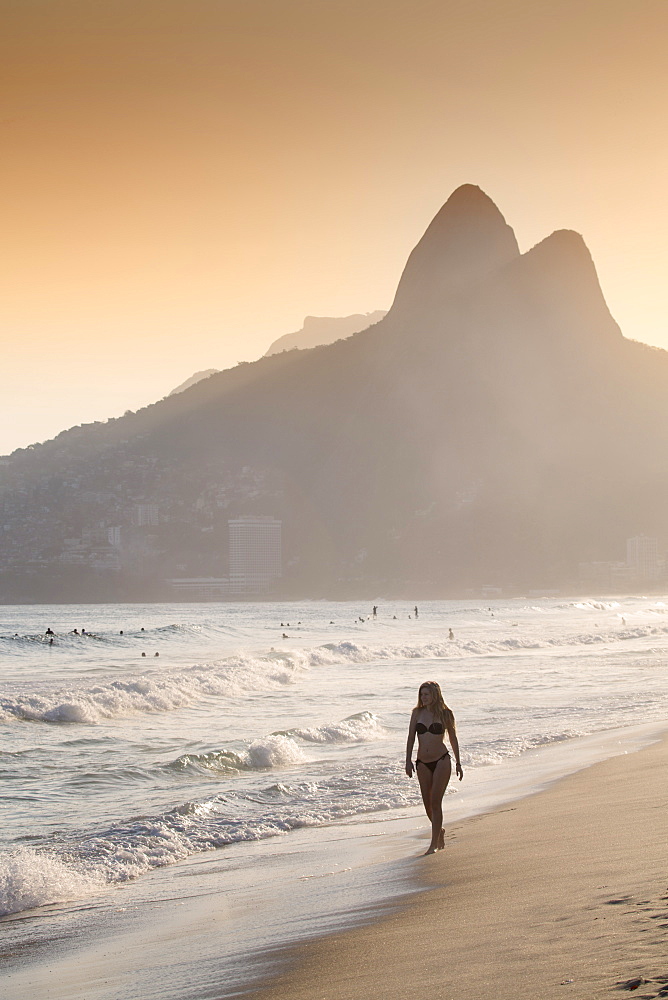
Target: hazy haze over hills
<point>319,330</point>
<point>316,330</point>
<point>494,428</point>
<point>193,380</point>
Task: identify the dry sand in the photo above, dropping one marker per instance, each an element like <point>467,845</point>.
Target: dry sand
<point>563,895</point>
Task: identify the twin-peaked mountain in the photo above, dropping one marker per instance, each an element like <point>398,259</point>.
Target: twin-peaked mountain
<point>494,428</point>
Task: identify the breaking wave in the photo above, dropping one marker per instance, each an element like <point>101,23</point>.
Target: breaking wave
<point>277,750</point>
<point>358,728</point>
<point>155,691</point>
<point>31,878</point>
<point>165,690</point>
<point>596,605</point>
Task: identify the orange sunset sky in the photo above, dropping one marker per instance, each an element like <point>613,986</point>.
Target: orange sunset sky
<point>184,180</point>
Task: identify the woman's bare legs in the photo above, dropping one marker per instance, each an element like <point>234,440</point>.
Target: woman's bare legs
<point>433,788</point>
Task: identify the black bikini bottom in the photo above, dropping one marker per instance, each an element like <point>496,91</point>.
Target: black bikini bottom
<point>431,764</point>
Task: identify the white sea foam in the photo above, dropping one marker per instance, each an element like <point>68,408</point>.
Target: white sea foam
<point>596,605</point>
<point>158,691</point>
<point>358,728</point>
<point>29,879</point>
<point>165,690</point>
<point>127,850</point>
<point>274,751</point>
<point>493,751</point>
<point>281,749</point>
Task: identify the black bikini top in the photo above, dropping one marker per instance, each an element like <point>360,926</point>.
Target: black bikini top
<point>436,728</point>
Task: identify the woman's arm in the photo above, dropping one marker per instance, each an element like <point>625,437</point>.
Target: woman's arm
<point>410,742</point>
<point>454,743</point>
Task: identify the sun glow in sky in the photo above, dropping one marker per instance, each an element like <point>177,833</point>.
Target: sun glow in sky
<point>184,180</point>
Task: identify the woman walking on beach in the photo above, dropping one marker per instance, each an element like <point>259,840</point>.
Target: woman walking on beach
<point>430,720</point>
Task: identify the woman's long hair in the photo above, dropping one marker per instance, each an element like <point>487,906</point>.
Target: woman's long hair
<point>438,707</point>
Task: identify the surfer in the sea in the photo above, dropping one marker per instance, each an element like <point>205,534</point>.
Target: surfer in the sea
<point>430,720</point>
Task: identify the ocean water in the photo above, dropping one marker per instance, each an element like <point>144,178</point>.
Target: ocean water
<point>231,773</point>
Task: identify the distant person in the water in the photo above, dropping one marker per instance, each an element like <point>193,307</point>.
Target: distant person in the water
<point>143,654</point>
<point>451,634</point>
<point>83,631</point>
<point>415,611</point>
<point>285,636</point>
<point>394,618</point>
<point>74,632</point>
<point>121,632</point>
<point>375,611</point>
<point>49,631</point>
<point>156,654</point>
<point>51,641</point>
<point>142,629</point>
<point>431,719</point>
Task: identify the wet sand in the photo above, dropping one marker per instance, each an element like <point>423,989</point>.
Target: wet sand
<point>561,895</point>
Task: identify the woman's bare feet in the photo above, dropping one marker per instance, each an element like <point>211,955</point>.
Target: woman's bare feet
<point>440,844</point>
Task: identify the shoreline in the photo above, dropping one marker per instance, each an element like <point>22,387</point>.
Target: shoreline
<point>562,894</point>
<point>379,872</point>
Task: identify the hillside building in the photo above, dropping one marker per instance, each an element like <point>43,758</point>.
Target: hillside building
<point>144,514</point>
<point>200,588</point>
<point>642,558</point>
<point>255,553</point>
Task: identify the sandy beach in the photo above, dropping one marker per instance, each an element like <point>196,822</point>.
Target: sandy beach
<point>563,894</point>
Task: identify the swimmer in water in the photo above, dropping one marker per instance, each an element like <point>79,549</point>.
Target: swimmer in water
<point>431,719</point>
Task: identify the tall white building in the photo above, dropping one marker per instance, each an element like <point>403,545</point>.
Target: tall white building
<point>144,514</point>
<point>255,553</point>
<point>642,557</point>
<point>114,536</point>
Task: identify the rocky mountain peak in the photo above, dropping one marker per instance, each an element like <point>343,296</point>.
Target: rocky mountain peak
<point>466,240</point>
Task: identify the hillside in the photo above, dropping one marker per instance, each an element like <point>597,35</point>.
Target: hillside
<point>494,428</point>
<point>319,330</point>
